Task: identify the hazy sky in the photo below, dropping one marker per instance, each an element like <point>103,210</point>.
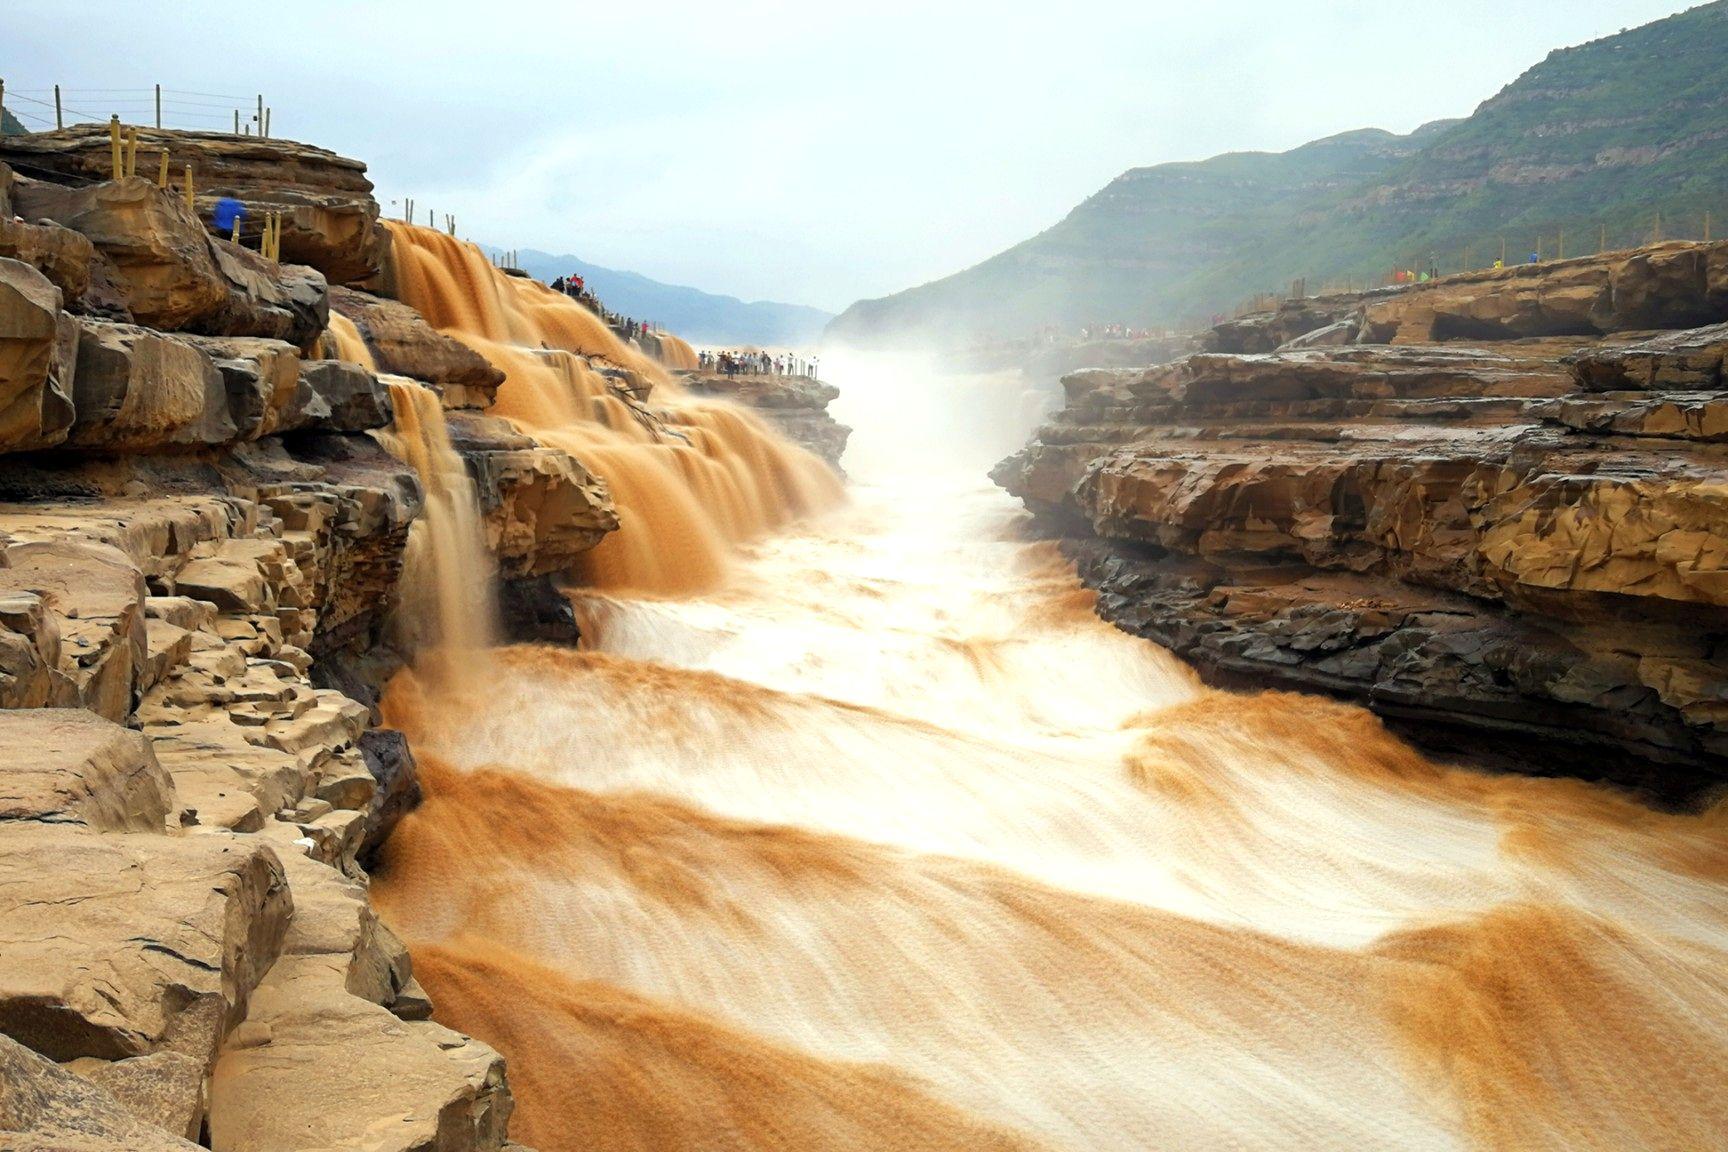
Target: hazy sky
<point>812,151</point>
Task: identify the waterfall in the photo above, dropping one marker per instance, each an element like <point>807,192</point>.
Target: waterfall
<point>861,831</point>
<point>692,479</point>
<point>448,601</point>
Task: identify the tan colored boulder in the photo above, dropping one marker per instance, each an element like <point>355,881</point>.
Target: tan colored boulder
<point>1692,359</point>
<point>166,1089</point>
<point>68,766</point>
<point>337,396</point>
<point>329,216</point>
<point>159,250</point>
<point>139,390</point>
<point>62,255</point>
<point>46,1108</point>
<point>38,357</point>
<point>171,274</point>
<point>260,376</point>
<point>403,344</point>
<point>120,945</point>
<point>1676,285</point>
<point>381,1084</point>
<point>72,631</point>
<point>542,507</point>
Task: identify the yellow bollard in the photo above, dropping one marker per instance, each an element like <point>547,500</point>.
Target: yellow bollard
<point>162,173</point>
<point>131,152</point>
<point>235,235</point>
<point>114,145</point>
<point>191,199</point>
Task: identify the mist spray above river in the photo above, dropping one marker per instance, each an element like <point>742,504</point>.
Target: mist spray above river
<point>876,837</point>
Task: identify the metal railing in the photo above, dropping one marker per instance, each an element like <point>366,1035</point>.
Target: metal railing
<point>58,106</point>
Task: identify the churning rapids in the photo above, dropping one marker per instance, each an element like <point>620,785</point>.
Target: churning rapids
<point>881,840</point>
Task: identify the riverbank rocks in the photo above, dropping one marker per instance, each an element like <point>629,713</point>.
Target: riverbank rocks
<point>796,405</point>
<point>329,217</point>
<point>401,343</point>
<point>68,766</point>
<point>38,360</point>
<point>170,273</point>
<point>542,508</point>
<point>65,257</point>
<point>337,396</point>
<point>1674,285</point>
<point>172,934</point>
<point>44,1107</point>
<point>1515,552</point>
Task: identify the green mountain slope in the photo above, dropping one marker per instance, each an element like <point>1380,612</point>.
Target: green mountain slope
<point>1599,137</point>
<point>10,125</point>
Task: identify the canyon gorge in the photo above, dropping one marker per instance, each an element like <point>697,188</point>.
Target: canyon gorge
<point>433,719</point>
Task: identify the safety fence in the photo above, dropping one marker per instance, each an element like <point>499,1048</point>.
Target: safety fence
<point>57,106</point>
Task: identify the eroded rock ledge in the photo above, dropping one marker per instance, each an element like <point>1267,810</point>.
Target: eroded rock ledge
<point>796,405</point>
<point>1514,546</point>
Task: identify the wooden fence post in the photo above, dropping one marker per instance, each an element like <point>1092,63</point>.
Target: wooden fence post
<point>162,174</point>
<point>114,145</point>
<point>59,120</point>
<point>236,121</point>
<point>158,107</point>
<point>132,152</point>
<point>191,198</point>
<point>267,123</point>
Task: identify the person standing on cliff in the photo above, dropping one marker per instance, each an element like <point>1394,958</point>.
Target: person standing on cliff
<point>227,215</point>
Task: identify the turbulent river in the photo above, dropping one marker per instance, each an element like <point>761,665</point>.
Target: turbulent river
<point>880,839</point>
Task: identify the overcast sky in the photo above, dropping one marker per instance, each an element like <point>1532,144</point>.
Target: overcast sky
<point>813,151</point>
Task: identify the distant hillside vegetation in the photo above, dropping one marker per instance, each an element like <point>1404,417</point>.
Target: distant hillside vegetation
<point>10,124</point>
<point>1600,136</point>
<point>702,317</point>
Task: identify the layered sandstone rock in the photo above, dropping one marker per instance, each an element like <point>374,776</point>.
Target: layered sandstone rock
<point>542,508</point>
<point>1512,551</point>
<point>402,343</point>
<point>46,1108</point>
<point>170,273</point>
<point>796,405</point>
<point>66,766</point>
<point>38,359</point>
<point>328,213</point>
<point>1676,285</point>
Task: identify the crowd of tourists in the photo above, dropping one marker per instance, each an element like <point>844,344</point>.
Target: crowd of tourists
<point>755,363</point>
<point>577,289</point>
<point>1114,332</point>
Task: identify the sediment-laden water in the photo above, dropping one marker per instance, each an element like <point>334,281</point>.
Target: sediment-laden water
<point>875,837</point>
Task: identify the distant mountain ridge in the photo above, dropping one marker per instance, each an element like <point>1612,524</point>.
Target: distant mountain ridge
<point>1601,136</point>
<point>702,317</point>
